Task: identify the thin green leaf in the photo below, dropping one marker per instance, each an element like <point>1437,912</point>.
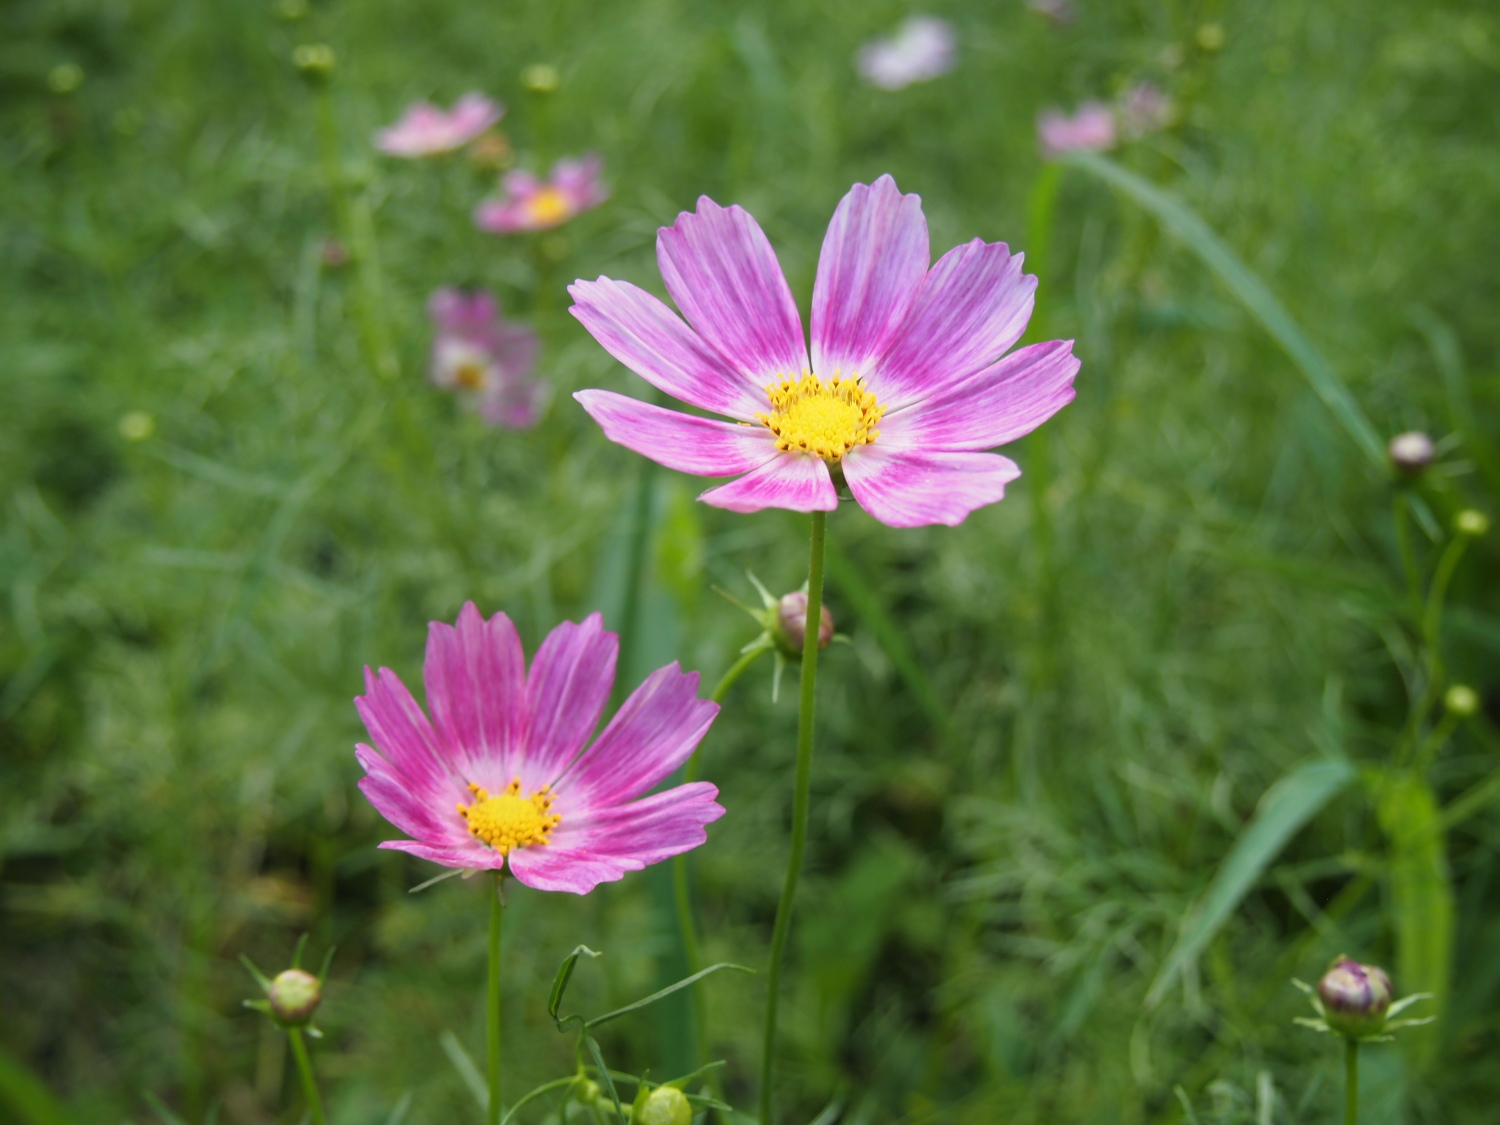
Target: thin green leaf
<point>1239,279</point>
<point>26,1097</point>
<point>1286,807</point>
<point>465,1067</point>
<point>254,970</point>
<point>400,1109</point>
<point>161,1110</point>
<point>604,1074</point>
<point>681,1083</point>
<point>655,996</point>
<point>532,1095</point>
<point>297,952</point>
<point>560,983</point>
<point>1421,896</point>
<point>438,879</point>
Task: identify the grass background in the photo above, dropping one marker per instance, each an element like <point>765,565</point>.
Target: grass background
<point>1195,587</point>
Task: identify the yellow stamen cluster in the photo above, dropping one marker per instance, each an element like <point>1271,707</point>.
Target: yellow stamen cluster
<point>828,419</point>
<point>470,376</point>
<point>548,206</point>
<point>509,820</point>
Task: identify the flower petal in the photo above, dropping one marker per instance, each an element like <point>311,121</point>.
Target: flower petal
<point>973,305</point>
<point>874,258</point>
<point>416,813</point>
<point>647,337</point>
<point>908,489</point>
<point>724,276</point>
<point>566,691</point>
<point>679,441</point>
<point>653,733</point>
<point>476,857</point>
<point>475,674</point>
<point>615,840</point>
<point>998,405</point>
<point>401,731</point>
<point>798,482</point>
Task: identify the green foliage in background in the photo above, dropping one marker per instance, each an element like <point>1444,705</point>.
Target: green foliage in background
<point>1102,769</point>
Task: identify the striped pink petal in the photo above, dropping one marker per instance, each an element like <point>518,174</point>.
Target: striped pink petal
<point>910,489</point>
<point>475,675</point>
<point>798,482</point>
<point>567,689</point>
<point>679,441</point>
<point>402,733</point>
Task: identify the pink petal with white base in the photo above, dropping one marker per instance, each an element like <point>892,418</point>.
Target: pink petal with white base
<point>401,731</point>
<point>973,305</point>
<point>798,482</point>
<point>469,857</point>
<point>475,674</point>
<point>874,258</point>
<point>679,441</point>
<point>724,276</point>
<point>1000,404</point>
<point>647,337</point>
<point>909,489</point>
<point>569,684</point>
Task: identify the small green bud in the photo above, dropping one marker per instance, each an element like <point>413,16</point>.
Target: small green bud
<point>1411,453</point>
<point>1210,37</point>
<point>137,426</point>
<point>1462,701</point>
<point>587,1092</point>
<point>291,10</point>
<point>294,995</point>
<point>540,78</point>
<point>789,625</point>
<point>64,78</point>
<point>666,1105</point>
<point>1470,521</point>
<point>315,60</point>
<point>1355,998</point>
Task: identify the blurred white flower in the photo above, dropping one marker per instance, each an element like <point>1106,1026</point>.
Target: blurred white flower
<point>922,48</point>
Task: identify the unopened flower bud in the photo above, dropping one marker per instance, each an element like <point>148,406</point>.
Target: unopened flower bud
<point>789,628</point>
<point>333,254</point>
<point>137,426</point>
<point>64,78</point>
<point>1411,452</point>
<point>588,1093</point>
<point>1355,998</point>
<point>1470,521</point>
<point>1462,701</point>
<point>540,78</point>
<point>666,1105</point>
<point>314,60</point>
<point>294,996</point>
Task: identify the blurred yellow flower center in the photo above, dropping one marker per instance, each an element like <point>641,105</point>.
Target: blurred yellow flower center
<point>549,206</point>
<point>469,376</point>
<point>509,820</point>
<point>828,419</point>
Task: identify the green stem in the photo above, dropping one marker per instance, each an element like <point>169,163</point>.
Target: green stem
<point>1351,1082</point>
<point>799,810</point>
<point>637,549</point>
<point>1402,517</point>
<point>304,1069</point>
<point>492,1006</point>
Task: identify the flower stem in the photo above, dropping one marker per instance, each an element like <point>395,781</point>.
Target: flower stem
<point>799,810</point>
<point>1351,1081</point>
<point>304,1069</point>
<point>492,1006</point>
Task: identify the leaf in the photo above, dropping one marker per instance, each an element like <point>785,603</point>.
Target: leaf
<point>1239,279</point>
<point>465,1067</point>
<point>1285,808</point>
<point>1421,897</point>
<point>532,1094</point>
<point>560,984</point>
<point>604,1074</point>
<point>25,1099</point>
<point>655,996</point>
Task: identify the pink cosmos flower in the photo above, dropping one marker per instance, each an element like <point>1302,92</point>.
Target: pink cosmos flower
<point>531,204</point>
<point>1145,109</point>
<point>426,130</point>
<point>906,383</point>
<point>923,48</point>
<point>499,774</point>
<point>1091,129</point>
<point>484,359</point>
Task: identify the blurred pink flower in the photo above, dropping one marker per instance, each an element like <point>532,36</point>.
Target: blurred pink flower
<point>923,48</point>
<point>532,204</point>
<point>1145,109</point>
<point>485,360</point>
<point>499,775</point>
<point>426,130</point>
<point>907,383</point>
<point>1090,129</point>
<point>1058,11</point>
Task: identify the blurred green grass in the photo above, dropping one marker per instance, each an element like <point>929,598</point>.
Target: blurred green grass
<point>1130,649</point>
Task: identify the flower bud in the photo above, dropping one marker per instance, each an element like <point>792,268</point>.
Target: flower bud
<point>137,426</point>
<point>1471,522</point>
<point>314,60</point>
<point>588,1093</point>
<point>540,78</point>
<point>1461,701</point>
<point>1355,998</point>
<point>333,254</point>
<point>789,626</point>
<point>1411,452</point>
<point>665,1105</point>
<point>294,996</point>
<point>64,78</point>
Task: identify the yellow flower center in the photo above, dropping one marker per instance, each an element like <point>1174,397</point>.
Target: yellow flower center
<point>470,376</point>
<point>549,206</point>
<point>828,419</point>
<point>509,820</point>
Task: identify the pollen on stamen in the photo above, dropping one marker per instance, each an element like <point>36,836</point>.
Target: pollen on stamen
<point>507,820</point>
<point>827,419</point>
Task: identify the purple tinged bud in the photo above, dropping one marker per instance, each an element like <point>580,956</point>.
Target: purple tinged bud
<point>295,995</point>
<point>666,1105</point>
<point>790,625</point>
<point>1355,998</point>
<point>1411,452</point>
